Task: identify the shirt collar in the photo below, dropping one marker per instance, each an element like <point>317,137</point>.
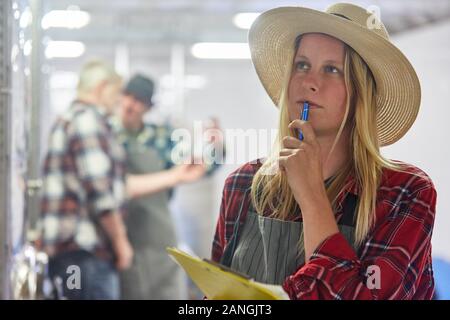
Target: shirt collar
<point>99,110</point>
<point>351,185</point>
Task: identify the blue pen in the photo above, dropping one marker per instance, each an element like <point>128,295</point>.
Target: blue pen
<point>304,116</point>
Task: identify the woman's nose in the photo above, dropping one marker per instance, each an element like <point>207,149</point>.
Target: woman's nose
<point>310,82</point>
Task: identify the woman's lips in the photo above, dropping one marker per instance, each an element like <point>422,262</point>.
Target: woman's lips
<point>311,105</point>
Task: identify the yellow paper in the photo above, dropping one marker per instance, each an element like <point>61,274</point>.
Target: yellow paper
<point>219,283</point>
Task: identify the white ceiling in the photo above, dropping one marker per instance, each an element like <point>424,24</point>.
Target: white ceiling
<point>150,27</point>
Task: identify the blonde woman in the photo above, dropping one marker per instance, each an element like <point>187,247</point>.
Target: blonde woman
<point>335,219</point>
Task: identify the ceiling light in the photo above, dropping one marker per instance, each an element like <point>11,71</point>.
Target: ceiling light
<point>64,49</point>
<point>71,19</point>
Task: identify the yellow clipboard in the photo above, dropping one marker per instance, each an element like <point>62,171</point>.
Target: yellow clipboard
<point>218,282</point>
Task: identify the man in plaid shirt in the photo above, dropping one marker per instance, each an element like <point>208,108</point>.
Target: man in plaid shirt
<point>84,184</point>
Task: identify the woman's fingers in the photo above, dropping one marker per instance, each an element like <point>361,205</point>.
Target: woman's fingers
<point>286,152</point>
<point>282,163</point>
<point>291,143</point>
<point>306,128</point>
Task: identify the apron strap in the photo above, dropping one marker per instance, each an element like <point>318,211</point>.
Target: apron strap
<point>227,256</point>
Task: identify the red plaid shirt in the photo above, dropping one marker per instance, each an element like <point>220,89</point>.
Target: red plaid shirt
<point>399,244</point>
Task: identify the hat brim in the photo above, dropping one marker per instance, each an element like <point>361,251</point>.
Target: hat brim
<point>271,41</point>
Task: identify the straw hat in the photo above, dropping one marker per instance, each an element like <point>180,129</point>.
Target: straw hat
<point>271,41</point>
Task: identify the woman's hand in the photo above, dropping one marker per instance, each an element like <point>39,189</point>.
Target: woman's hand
<point>301,161</point>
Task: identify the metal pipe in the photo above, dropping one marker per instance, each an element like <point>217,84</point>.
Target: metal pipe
<point>5,147</point>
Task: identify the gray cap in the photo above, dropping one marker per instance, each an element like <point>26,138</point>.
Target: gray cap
<point>141,88</point>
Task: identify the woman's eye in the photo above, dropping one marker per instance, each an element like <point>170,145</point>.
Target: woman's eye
<point>301,65</point>
<point>332,69</point>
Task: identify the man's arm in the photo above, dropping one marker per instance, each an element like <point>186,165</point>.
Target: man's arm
<point>146,184</point>
<point>90,145</point>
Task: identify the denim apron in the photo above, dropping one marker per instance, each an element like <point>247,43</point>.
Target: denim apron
<point>267,249</point>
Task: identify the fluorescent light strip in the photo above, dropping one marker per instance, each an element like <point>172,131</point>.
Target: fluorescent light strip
<point>70,19</point>
<point>64,49</point>
<point>221,50</point>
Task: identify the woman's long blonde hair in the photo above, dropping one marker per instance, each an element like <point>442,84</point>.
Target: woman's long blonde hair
<point>271,193</point>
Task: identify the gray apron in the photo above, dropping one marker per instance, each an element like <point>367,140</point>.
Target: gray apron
<point>150,230</point>
<point>267,249</point>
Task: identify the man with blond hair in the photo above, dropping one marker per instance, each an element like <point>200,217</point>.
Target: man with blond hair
<point>83,192</point>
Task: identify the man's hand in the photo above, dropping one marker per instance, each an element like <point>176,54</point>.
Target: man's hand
<point>191,172</point>
<point>124,253</point>
<point>114,227</point>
